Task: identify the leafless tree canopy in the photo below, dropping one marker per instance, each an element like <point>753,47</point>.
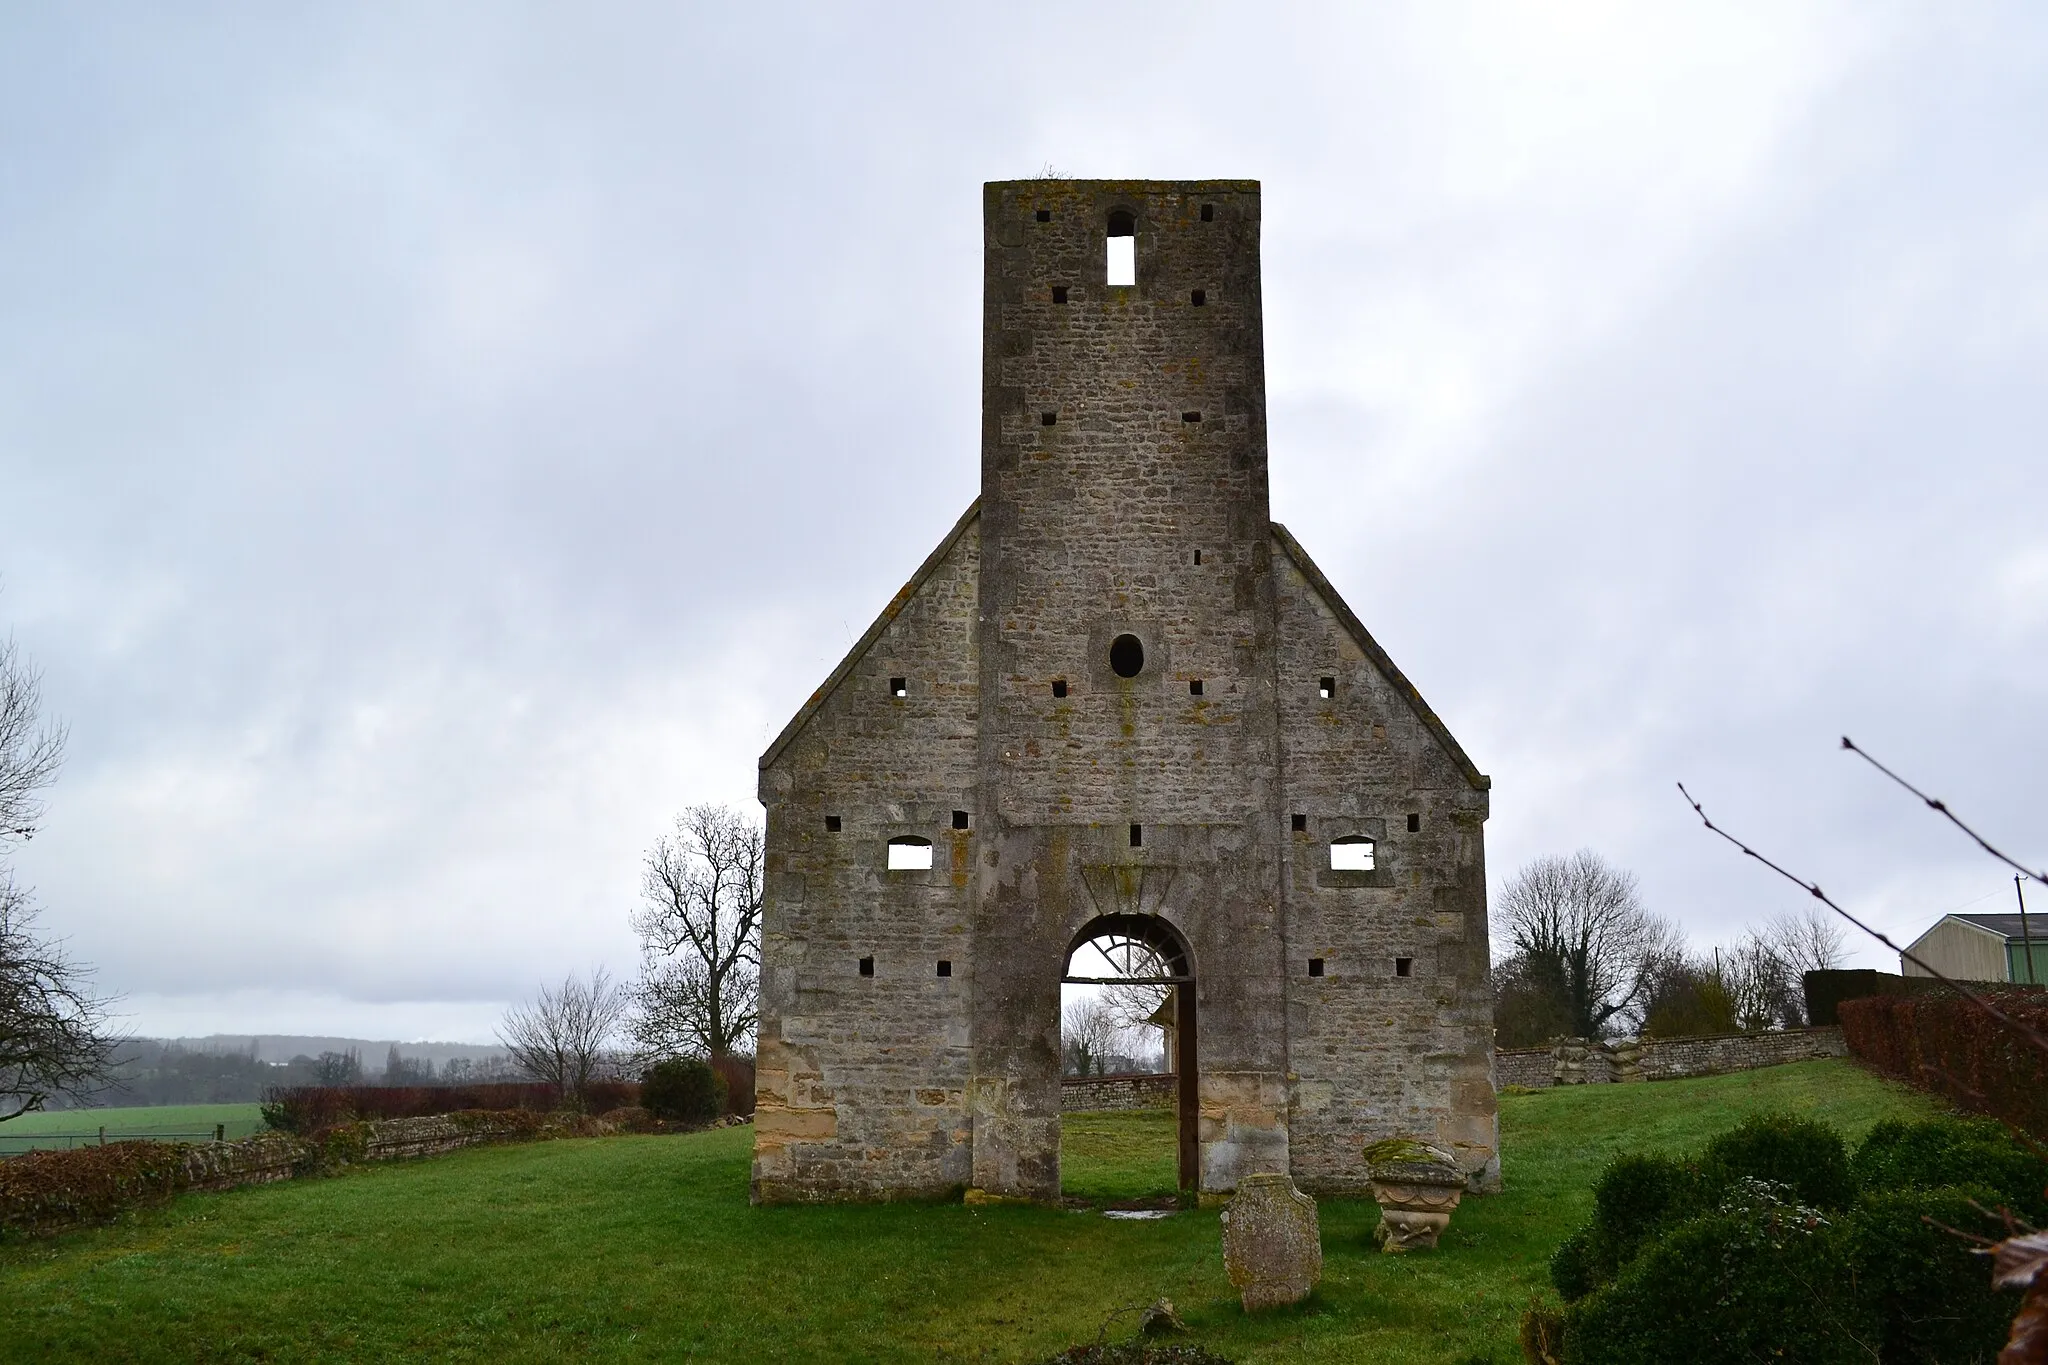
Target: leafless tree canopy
<point>1089,1033</point>
<point>563,1034</point>
<point>1807,941</point>
<point>1579,921</point>
<point>31,751</point>
<point>700,937</point>
<point>53,1035</point>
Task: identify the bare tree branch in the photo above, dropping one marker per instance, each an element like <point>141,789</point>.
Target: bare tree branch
<point>1936,804</point>
<point>2033,1036</point>
<point>31,752</point>
<point>561,1036</point>
<point>53,1035</point>
<point>1580,922</point>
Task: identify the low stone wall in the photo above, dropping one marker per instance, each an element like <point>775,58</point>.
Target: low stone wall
<point>1572,1062</point>
<point>1131,1090</point>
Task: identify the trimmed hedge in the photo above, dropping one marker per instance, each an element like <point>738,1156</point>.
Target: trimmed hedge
<point>684,1089</point>
<point>307,1108</point>
<point>1941,1042</point>
<point>1773,1243</point>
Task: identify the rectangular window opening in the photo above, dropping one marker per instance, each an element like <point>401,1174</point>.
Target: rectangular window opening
<point>1137,836</point>
<point>1315,966</point>
<point>1414,823</point>
<point>1123,261</point>
<point>832,824</point>
<point>1198,557</point>
<point>1208,213</point>
<point>867,966</point>
<point>899,687</point>
<point>1043,215</point>
<point>959,819</point>
<point>1351,855</point>
<point>910,855</point>
<point>1404,966</point>
<point>1191,417</point>
<point>1198,298</point>
<point>1326,688</point>
<point>1059,687</point>
<point>1300,823</point>
<point>1059,293</point>
<point>945,967</point>
<point>1046,419</point>
<point>1194,687</point>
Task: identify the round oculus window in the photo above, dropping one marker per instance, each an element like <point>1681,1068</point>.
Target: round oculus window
<point>1126,656</point>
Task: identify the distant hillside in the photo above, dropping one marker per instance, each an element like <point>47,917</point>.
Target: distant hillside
<point>227,1068</point>
<point>282,1047</point>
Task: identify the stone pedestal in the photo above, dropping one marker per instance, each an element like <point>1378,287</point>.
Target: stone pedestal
<point>1417,1186</point>
<point>1568,1061</point>
<point>1272,1242</point>
<point>1624,1059</point>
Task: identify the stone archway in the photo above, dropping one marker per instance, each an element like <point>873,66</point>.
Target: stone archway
<point>1146,950</point>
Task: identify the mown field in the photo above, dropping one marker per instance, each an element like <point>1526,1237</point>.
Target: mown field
<point>76,1127</point>
<point>645,1248</point>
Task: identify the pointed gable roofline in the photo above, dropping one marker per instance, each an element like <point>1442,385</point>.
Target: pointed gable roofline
<point>874,633</point>
<point>1363,638</point>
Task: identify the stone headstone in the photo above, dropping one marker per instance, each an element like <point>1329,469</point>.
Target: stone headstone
<point>1272,1243</point>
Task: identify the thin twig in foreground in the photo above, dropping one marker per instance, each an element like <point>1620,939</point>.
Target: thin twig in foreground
<point>2032,1036</point>
<point>1935,803</point>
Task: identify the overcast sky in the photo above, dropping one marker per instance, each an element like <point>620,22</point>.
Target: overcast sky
<point>438,443</point>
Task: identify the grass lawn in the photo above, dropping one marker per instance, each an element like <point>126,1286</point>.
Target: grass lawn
<point>78,1127</point>
<point>644,1248</point>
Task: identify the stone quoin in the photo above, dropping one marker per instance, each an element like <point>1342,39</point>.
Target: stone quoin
<point>1118,695</point>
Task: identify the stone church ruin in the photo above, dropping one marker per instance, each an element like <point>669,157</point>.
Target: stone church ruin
<point>1119,700</point>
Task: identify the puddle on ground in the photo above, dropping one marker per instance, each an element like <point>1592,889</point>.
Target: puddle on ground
<point>1139,1213</point>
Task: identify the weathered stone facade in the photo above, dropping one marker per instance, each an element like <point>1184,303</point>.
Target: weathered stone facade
<point>910,1033</point>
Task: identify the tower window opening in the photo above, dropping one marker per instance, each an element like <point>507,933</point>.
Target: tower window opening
<point>1191,417</point>
<point>1326,688</point>
<point>1046,419</point>
<point>1059,293</point>
<point>1137,836</point>
<point>1315,966</point>
<point>1123,248</point>
<point>1059,687</point>
<point>1126,656</point>
<point>832,824</point>
<point>899,687</point>
<point>1194,687</point>
<point>909,853</point>
<point>959,819</point>
<point>1300,823</point>
<point>1043,215</point>
<point>1414,823</point>
<point>1352,853</point>
<point>1208,213</point>
<point>867,966</point>
<point>1198,298</point>
<point>945,967</point>
<point>1198,558</point>
<point>1404,966</point>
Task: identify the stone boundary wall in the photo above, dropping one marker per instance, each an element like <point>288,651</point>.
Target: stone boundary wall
<point>1665,1059</point>
<point>1130,1090</point>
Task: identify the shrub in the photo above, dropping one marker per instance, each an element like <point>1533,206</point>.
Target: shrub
<point>1931,1297</point>
<point>1953,1152</point>
<point>739,1083</point>
<point>684,1089</point>
<point>1636,1197</point>
<point>1941,1042</point>
<point>1807,1157</point>
<point>42,1190</point>
<point>309,1108</point>
<point>1761,1279</point>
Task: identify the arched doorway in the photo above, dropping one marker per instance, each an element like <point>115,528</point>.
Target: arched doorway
<point>1144,953</point>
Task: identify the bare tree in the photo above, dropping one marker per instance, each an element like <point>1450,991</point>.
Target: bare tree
<point>31,751</point>
<point>53,1028</point>
<point>562,1036</point>
<point>1580,921</point>
<point>1807,941</point>
<point>1089,1033</point>
<point>699,923</point>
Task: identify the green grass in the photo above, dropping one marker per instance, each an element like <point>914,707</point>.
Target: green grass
<point>644,1248</point>
<point>77,1127</point>
<point>1113,1158</point>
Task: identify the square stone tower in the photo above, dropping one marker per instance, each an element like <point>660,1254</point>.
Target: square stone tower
<point>1118,698</point>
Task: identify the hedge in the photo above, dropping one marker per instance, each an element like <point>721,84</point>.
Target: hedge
<point>1943,1043</point>
<point>305,1108</point>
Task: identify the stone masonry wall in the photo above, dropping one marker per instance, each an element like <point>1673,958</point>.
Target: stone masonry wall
<point>1133,1091</point>
<point>1666,1059</point>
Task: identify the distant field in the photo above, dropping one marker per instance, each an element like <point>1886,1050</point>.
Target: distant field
<point>645,1248</point>
<point>80,1127</point>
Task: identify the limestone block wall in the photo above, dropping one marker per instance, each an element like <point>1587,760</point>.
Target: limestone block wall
<point>1527,1067</point>
<point>1390,1014</point>
<point>1665,1059</point>
<point>863,1057</point>
<point>1134,1090</point>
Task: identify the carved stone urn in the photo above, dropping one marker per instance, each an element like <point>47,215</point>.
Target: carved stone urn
<point>1417,1186</point>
